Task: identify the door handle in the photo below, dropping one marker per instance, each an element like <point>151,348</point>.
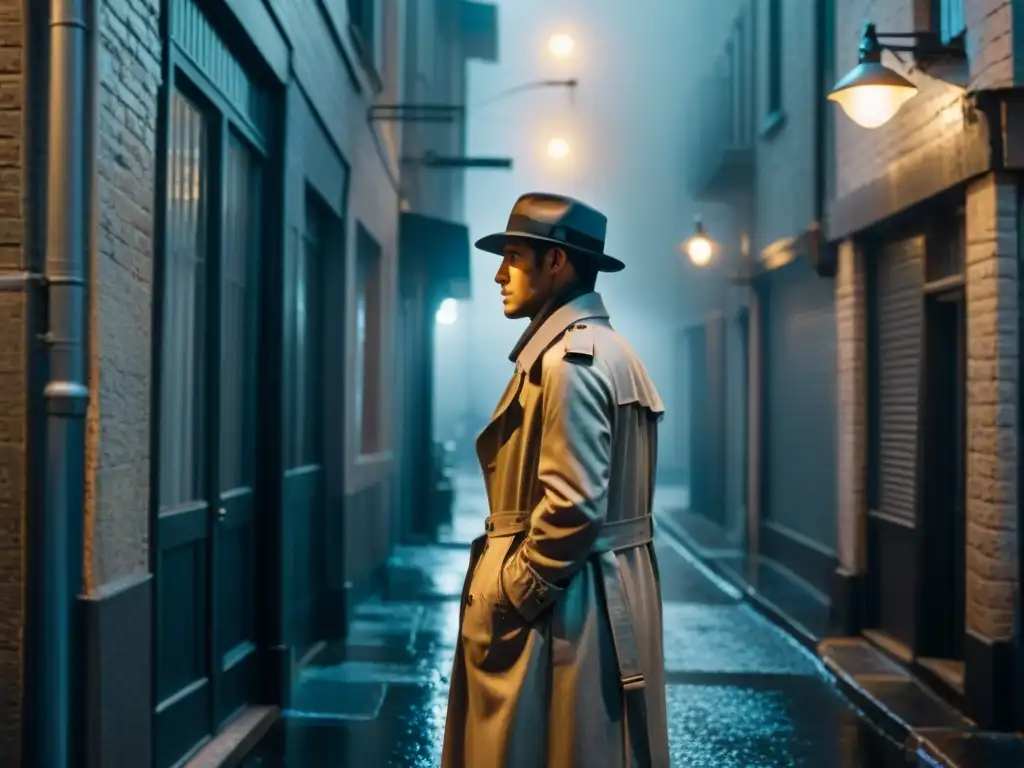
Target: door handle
<point>222,512</point>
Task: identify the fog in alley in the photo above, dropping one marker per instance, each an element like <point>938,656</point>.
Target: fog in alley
<point>627,125</point>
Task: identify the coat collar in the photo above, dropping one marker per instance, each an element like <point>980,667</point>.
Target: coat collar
<point>535,340</point>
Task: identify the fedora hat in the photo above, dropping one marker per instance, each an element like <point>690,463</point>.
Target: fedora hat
<point>555,220</point>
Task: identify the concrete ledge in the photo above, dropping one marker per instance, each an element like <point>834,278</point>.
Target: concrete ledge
<point>236,740</point>
<point>935,734</point>
<point>977,749</point>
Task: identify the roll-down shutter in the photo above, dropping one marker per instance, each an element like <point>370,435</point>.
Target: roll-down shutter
<point>800,415</point>
<point>899,307</point>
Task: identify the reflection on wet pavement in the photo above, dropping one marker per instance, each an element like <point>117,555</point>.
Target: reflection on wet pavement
<point>741,693</point>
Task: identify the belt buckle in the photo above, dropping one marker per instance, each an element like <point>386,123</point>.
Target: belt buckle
<point>633,683</point>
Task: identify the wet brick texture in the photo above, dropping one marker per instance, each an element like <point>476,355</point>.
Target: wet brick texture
<point>741,693</point>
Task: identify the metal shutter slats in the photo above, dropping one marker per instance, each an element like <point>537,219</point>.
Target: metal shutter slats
<point>899,283</point>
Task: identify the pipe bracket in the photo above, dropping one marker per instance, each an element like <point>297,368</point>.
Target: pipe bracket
<point>53,279</point>
<point>18,281</point>
<point>67,398</point>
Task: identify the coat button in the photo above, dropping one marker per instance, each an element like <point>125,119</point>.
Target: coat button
<point>469,599</point>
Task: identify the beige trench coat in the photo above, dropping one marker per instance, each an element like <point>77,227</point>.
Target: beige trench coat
<point>559,657</point>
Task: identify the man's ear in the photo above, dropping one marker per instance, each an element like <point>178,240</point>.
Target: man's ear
<point>558,259</point>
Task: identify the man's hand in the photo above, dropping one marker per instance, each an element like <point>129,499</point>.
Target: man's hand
<point>575,457</point>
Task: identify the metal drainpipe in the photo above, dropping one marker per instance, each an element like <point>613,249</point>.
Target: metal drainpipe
<point>68,212</point>
<point>821,106</point>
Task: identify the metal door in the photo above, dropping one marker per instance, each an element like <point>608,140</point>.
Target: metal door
<point>798,519</point>
<point>896,280</point>
<point>698,418</point>
<point>303,428</point>
<point>206,560</point>
<point>234,544</point>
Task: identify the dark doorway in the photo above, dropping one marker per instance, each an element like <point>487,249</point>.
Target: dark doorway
<point>207,550</point>
<point>698,418</point>
<point>895,334</point>
<point>304,383</point>
<point>943,454</point>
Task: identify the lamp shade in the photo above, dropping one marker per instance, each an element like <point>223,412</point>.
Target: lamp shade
<point>871,93</point>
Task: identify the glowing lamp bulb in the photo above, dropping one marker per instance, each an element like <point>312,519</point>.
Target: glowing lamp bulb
<point>558,149</point>
<point>561,45</point>
<point>699,249</point>
<point>871,94</point>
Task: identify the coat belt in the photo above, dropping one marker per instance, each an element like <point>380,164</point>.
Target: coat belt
<point>614,537</point>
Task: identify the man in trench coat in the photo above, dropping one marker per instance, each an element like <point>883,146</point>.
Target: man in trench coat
<point>559,656</point>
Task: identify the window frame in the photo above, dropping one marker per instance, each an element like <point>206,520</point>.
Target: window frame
<point>364,28</point>
<point>774,30</point>
<point>312,242</point>
<point>368,349</point>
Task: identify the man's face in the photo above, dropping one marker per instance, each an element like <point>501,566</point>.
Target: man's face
<point>526,280</point>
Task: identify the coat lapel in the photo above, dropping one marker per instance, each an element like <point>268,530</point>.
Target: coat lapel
<point>527,351</point>
<point>486,444</point>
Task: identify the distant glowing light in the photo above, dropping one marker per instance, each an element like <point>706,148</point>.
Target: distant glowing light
<point>558,149</point>
<point>699,250</point>
<point>448,312</point>
<point>699,247</point>
<point>561,45</point>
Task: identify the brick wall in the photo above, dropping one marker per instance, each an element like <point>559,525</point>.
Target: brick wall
<point>13,383</point>
<point>122,278</point>
<point>851,384</point>
<point>992,437</point>
<point>932,116</point>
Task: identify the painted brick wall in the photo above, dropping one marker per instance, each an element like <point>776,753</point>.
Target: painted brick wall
<point>851,385</point>
<point>13,383</point>
<point>122,280</point>
<point>992,381</point>
<point>784,205</point>
<point>863,155</point>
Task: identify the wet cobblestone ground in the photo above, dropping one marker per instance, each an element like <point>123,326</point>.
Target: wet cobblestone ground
<point>741,693</point>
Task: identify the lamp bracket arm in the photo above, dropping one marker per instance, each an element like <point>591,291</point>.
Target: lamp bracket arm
<point>927,47</point>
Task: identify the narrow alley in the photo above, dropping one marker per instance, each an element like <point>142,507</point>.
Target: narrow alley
<point>741,693</point>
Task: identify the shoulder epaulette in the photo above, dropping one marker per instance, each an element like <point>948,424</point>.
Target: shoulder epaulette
<point>579,342</point>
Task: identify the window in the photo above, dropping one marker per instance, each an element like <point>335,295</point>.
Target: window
<point>362,19</point>
<point>368,343</point>
<point>774,49</point>
<point>948,18</point>
<point>238,318</point>
<point>182,401</point>
<point>304,374</point>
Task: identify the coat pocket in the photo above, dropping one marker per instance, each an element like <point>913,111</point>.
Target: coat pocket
<point>489,620</point>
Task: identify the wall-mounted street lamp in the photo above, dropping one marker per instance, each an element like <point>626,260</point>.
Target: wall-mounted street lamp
<point>871,93</point>
<point>561,45</point>
<point>456,113</point>
<point>558,149</point>
<point>699,247</point>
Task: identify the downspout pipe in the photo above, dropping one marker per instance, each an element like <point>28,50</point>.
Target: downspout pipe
<point>821,115</point>
<point>66,393</point>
